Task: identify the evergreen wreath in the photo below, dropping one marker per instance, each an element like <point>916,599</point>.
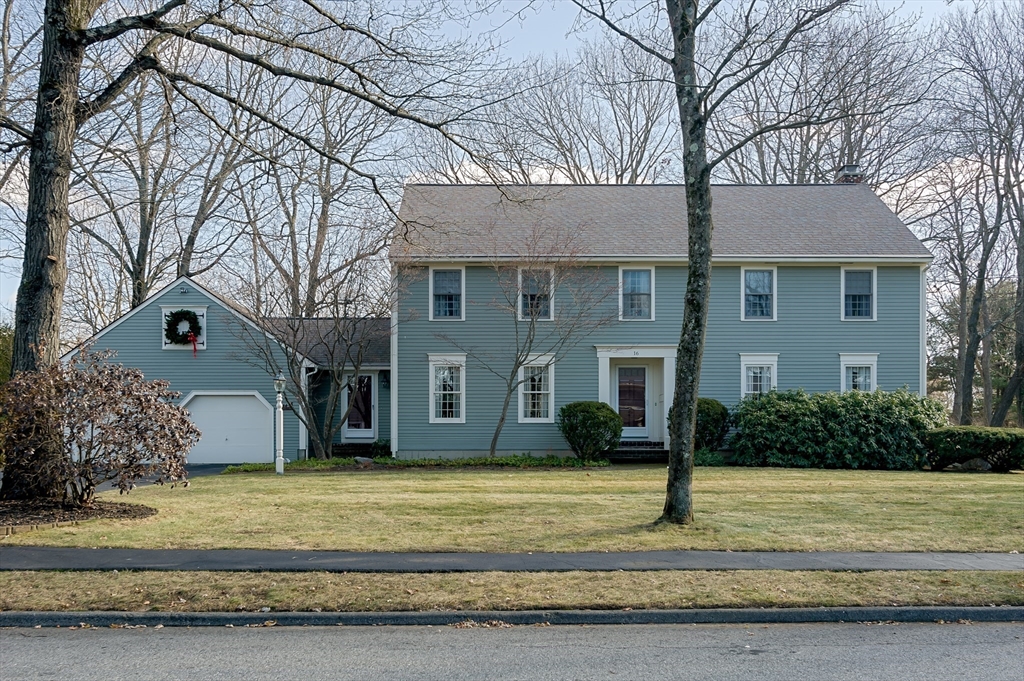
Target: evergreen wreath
<point>173,319</point>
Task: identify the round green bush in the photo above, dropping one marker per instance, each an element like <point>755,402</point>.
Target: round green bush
<point>590,428</point>
<point>712,424</point>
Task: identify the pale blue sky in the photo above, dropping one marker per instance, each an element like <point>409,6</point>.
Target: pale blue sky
<point>525,28</point>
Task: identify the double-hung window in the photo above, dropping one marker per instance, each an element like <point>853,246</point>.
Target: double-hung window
<point>758,373</point>
<point>535,293</point>
<point>858,294</point>
<point>447,388</point>
<point>637,286</point>
<point>858,372</point>
<point>446,293</point>
<point>536,391</point>
<point>759,288</point>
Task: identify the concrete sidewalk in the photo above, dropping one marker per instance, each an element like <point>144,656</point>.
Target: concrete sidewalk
<point>57,558</point>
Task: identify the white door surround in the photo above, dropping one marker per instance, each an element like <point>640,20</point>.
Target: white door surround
<point>606,383</point>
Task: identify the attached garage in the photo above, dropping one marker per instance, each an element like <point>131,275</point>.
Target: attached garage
<point>236,427</point>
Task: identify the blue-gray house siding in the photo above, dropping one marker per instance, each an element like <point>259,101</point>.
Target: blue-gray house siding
<point>808,337</point>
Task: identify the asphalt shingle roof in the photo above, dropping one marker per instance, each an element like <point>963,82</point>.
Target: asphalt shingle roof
<point>329,342</point>
<point>770,221</point>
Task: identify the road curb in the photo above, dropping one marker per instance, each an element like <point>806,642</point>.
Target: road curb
<point>530,617</point>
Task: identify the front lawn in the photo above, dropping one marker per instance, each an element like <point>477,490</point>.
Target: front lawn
<point>609,509</point>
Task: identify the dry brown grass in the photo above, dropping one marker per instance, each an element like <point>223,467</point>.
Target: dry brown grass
<point>305,591</point>
<point>594,510</point>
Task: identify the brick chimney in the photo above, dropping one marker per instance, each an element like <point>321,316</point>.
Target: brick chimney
<point>849,174</point>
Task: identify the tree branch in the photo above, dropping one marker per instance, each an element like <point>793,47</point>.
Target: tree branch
<point>114,29</point>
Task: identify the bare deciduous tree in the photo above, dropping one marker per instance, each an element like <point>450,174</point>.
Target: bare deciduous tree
<point>978,220</point>
<point>714,50</point>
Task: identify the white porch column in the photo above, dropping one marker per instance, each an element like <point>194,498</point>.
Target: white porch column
<point>604,393</point>
<point>669,385</point>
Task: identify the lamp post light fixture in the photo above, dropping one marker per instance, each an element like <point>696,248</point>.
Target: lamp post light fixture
<point>279,414</point>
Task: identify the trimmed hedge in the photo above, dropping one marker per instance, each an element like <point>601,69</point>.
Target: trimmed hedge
<point>712,424</point>
<point>1002,448</point>
<point>861,430</point>
<point>590,428</point>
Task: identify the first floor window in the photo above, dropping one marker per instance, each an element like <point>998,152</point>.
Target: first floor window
<point>447,374</point>
<point>858,378</point>
<point>759,379</point>
<point>859,372</point>
<point>636,294</point>
<point>535,294</point>
<point>535,393</point>
<point>759,374</point>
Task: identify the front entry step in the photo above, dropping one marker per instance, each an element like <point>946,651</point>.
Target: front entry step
<point>639,451</point>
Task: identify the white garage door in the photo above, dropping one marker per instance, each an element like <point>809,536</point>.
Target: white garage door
<point>236,429</point>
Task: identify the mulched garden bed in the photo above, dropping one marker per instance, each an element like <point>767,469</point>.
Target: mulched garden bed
<point>18,513</point>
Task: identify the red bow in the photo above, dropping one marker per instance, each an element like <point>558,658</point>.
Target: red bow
<point>192,338</point>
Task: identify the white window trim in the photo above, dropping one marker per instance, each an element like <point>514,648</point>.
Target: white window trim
<point>430,300</point>
<point>762,359</point>
<point>743,293</point>
<point>519,294</point>
<point>200,311</point>
<point>533,361</point>
<point>874,292</point>
<point>649,268</point>
<point>869,359</point>
<point>435,360</point>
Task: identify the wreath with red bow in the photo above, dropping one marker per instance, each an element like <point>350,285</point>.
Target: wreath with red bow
<point>189,337</point>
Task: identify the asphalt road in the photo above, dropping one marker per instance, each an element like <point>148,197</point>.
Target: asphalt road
<point>816,652</point>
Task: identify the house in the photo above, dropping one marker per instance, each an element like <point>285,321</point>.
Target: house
<point>819,287</point>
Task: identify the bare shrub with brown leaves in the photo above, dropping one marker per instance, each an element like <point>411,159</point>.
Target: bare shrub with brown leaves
<point>100,421</point>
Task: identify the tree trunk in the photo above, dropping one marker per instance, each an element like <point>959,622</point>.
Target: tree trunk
<point>504,415</point>
<point>986,364</point>
<point>961,350</point>
<point>44,270</point>
<point>697,176</point>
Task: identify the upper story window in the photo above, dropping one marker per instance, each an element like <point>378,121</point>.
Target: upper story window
<point>535,293</point>
<point>759,288</point>
<point>858,372</point>
<point>447,291</point>
<point>637,287</point>
<point>447,388</point>
<point>758,373</point>
<point>859,287</point>
<point>536,392</point>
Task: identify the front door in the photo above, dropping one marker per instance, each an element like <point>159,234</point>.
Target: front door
<point>360,418</point>
<point>632,401</point>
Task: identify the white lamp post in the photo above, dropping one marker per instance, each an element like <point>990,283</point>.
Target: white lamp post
<point>279,389</point>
